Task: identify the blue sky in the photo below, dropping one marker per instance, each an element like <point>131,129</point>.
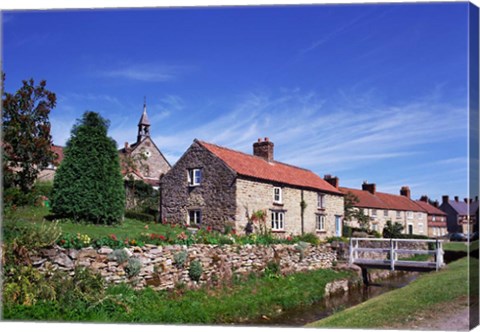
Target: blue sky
<point>364,92</point>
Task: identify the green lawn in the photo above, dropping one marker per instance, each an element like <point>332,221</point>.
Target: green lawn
<point>131,228</point>
<point>398,306</point>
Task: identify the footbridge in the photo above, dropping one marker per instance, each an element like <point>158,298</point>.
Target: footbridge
<point>396,254</point>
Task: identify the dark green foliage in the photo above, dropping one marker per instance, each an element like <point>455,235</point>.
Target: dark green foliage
<point>392,230</point>
<point>26,133</point>
<point>139,216</point>
<point>142,197</point>
<point>88,185</point>
<point>15,196</point>
<point>307,237</point>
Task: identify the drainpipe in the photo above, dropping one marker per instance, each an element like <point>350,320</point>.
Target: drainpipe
<point>302,212</point>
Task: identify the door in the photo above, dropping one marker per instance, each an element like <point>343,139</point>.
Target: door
<point>410,229</point>
<point>338,226</point>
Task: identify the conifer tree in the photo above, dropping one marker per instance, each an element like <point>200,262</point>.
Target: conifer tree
<point>88,184</point>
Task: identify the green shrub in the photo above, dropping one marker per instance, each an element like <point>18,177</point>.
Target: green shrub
<point>139,216</point>
<point>38,236</point>
<point>308,237</point>
<point>180,258</point>
<point>134,265</point>
<point>119,255</point>
<point>272,270</point>
<point>195,271</point>
<point>88,184</point>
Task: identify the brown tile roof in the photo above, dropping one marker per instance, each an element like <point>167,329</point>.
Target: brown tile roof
<point>430,208</point>
<point>383,201</point>
<point>256,167</point>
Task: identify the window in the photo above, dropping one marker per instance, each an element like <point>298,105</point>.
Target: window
<point>194,176</point>
<point>277,195</point>
<point>375,227</point>
<point>433,218</point>
<point>374,212</point>
<point>320,221</point>
<point>420,227</point>
<point>419,215</point>
<point>398,214</point>
<point>278,220</point>
<point>194,217</point>
<point>385,213</point>
<point>321,201</point>
<point>409,214</point>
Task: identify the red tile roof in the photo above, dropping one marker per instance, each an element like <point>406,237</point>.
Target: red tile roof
<point>430,208</point>
<point>383,201</point>
<point>256,167</point>
<point>59,151</point>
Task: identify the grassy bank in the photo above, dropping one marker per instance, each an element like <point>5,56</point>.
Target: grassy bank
<point>243,300</point>
<point>399,306</point>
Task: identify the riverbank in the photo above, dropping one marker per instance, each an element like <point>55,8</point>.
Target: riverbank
<point>401,307</point>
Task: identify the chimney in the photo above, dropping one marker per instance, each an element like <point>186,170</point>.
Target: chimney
<point>333,180</point>
<point>445,199</point>
<point>456,198</point>
<point>405,191</point>
<point>476,198</point>
<point>465,200</point>
<point>370,187</point>
<point>263,149</point>
<point>424,198</point>
<point>126,147</point>
<point>435,204</point>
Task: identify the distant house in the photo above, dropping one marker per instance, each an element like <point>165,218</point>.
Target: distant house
<point>382,207</point>
<point>437,219</point>
<point>48,173</point>
<point>462,215</point>
<point>215,186</point>
<point>143,160</point>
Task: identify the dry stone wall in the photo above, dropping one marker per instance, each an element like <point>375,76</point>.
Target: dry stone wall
<point>160,266</point>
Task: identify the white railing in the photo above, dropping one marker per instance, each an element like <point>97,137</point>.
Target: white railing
<point>393,250</point>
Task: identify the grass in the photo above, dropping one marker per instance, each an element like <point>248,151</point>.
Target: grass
<point>455,246</point>
<point>31,215</point>
<point>245,300</point>
<point>399,306</point>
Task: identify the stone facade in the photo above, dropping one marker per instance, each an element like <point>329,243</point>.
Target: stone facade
<point>161,270</point>
<point>379,218</point>
<point>214,198</point>
<point>254,195</point>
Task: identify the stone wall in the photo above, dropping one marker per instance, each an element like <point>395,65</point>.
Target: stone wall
<point>254,195</point>
<point>214,197</point>
<point>160,268</point>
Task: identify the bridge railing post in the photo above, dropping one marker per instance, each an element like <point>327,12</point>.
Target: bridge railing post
<point>392,255</point>
<point>351,252</point>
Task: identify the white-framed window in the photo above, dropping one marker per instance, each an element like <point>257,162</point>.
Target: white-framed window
<point>374,227</point>
<point>320,222</point>
<point>277,195</point>
<point>194,217</point>
<point>194,177</point>
<point>399,215</point>
<point>420,227</point>
<point>320,201</point>
<point>419,215</point>
<point>385,213</point>
<point>433,218</point>
<point>374,212</point>
<point>278,220</point>
<point>409,215</point>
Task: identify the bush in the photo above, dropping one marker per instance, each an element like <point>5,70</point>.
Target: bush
<point>38,236</point>
<point>134,265</point>
<point>195,271</point>
<point>88,184</point>
<point>272,270</point>
<point>119,255</point>
<point>309,238</point>
<point>139,216</point>
<point>180,258</point>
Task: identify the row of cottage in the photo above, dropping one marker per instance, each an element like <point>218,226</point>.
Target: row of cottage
<point>216,186</point>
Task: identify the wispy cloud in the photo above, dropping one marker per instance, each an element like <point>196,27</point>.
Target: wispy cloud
<point>150,72</point>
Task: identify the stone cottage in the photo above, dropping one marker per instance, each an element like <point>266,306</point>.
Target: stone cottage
<point>48,173</point>
<point>382,207</point>
<point>462,215</point>
<point>143,160</point>
<point>215,186</point>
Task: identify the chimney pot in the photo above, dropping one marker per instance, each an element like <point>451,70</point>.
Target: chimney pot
<point>259,140</point>
<point>435,204</point>
<point>370,187</point>
<point>424,198</point>
<point>263,149</point>
<point>456,198</point>
<point>333,180</point>
<point>405,191</point>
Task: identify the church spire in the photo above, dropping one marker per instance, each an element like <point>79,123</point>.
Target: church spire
<point>144,123</point>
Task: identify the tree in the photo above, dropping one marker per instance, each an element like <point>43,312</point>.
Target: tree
<point>88,185</point>
<point>392,230</point>
<point>26,133</point>
<point>351,212</point>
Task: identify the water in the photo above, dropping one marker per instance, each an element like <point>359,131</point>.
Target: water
<point>328,306</point>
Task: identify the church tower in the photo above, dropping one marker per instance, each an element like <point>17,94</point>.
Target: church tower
<point>143,125</point>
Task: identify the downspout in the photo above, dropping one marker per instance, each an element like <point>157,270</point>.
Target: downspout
<point>302,209</point>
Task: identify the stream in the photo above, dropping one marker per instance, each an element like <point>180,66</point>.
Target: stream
<point>307,314</point>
